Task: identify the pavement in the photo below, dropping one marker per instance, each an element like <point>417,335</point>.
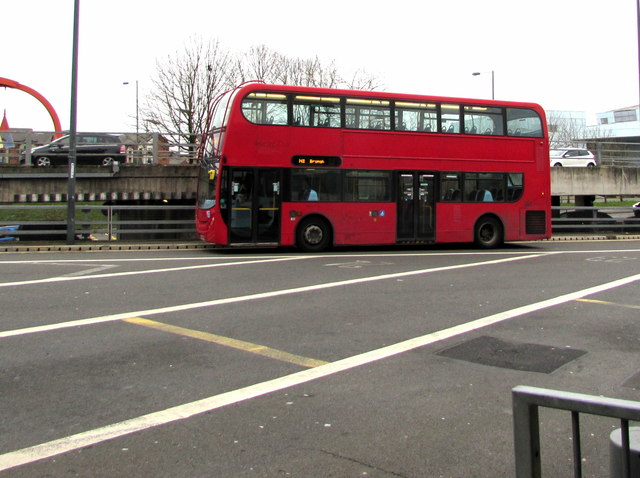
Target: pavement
<point>88,245</point>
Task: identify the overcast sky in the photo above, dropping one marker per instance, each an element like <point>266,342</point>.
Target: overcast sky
<point>564,54</point>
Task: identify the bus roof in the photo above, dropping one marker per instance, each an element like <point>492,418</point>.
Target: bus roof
<point>260,86</point>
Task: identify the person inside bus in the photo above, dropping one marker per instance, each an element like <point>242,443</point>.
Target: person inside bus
<point>308,193</point>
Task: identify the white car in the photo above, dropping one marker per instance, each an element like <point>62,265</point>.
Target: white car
<point>572,158</point>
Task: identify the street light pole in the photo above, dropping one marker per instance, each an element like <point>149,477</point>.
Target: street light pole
<point>137,150</point>
<point>638,19</point>
<point>137,109</point>
<point>493,82</point>
<point>71,183</point>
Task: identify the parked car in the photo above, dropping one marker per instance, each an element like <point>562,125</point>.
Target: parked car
<point>572,158</point>
<point>91,148</point>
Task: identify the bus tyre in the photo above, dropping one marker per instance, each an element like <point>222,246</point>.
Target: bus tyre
<point>488,233</point>
<point>313,235</point>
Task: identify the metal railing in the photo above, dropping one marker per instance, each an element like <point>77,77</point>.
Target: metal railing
<point>526,425</point>
<point>601,220</point>
<point>164,147</point>
<point>607,153</point>
<point>97,222</point>
<point>112,222</point>
<point>140,148</point>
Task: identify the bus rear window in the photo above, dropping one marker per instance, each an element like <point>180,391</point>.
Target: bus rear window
<point>523,122</point>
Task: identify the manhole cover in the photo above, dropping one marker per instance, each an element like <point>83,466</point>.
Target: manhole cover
<point>514,355</point>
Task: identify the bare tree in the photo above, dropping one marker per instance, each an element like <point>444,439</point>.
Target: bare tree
<point>259,63</point>
<point>569,129</point>
<point>361,80</point>
<point>184,87</point>
<point>187,83</point>
<point>263,64</point>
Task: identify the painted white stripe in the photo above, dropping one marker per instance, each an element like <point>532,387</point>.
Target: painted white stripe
<point>208,258</point>
<point>258,259</point>
<point>67,278</point>
<point>245,298</point>
<point>425,253</point>
<point>92,437</point>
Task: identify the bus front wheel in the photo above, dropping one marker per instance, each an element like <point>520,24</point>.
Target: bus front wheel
<point>488,233</point>
<point>314,235</point>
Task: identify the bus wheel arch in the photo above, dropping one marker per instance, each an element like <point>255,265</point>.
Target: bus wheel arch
<point>314,234</point>
<point>488,232</point>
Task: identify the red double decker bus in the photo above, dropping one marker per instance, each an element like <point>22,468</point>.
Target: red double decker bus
<point>315,167</point>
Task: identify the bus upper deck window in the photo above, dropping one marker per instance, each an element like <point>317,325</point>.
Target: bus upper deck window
<point>316,111</point>
<point>450,118</point>
<point>265,108</point>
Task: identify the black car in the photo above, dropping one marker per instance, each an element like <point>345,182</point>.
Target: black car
<point>91,148</point>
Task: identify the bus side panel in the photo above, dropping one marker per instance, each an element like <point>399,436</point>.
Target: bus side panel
<point>457,221</point>
<point>451,223</point>
<point>352,223</point>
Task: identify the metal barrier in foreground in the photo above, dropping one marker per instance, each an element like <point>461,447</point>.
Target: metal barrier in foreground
<point>109,222</point>
<point>527,401</point>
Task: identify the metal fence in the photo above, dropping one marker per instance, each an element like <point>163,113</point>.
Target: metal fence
<point>614,153</point>
<point>169,148</point>
<point>140,148</point>
<point>97,222</point>
<point>608,152</point>
<point>526,425</point>
<point>26,222</point>
<point>601,220</point>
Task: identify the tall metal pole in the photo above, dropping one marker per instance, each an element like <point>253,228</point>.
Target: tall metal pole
<point>638,18</point>
<point>493,84</point>
<point>493,81</point>
<point>71,186</point>
<point>138,112</point>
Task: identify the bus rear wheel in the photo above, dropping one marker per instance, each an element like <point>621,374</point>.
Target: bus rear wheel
<point>313,234</point>
<point>488,233</point>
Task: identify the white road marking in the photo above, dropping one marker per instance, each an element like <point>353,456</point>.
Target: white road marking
<point>134,273</point>
<point>181,412</point>
<point>244,298</point>
<point>92,270</point>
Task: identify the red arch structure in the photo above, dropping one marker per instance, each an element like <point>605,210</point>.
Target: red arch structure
<point>52,112</point>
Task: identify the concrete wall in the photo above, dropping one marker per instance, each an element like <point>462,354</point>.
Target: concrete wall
<point>20,184</point>
<point>595,181</point>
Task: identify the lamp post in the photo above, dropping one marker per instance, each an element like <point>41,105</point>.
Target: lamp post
<point>137,109</point>
<point>136,153</point>
<point>71,175</point>
<point>493,83</point>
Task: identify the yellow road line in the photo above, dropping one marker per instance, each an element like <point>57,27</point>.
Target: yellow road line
<point>227,342</point>
<point>604,302</point>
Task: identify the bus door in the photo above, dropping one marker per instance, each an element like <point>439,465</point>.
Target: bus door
<point>255,206</point>
<point>416,206</point>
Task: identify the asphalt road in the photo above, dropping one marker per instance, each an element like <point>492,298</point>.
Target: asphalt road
<point>379,363</point>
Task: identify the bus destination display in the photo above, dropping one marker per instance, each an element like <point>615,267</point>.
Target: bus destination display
<point>316,161</point>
